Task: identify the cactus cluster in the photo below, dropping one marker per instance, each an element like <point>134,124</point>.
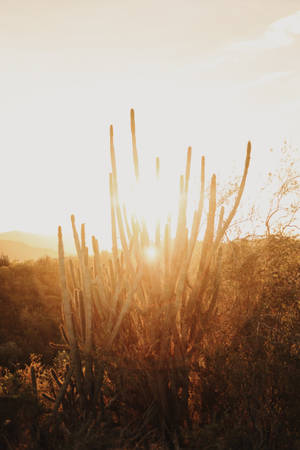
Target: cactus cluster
<point>130,312</point>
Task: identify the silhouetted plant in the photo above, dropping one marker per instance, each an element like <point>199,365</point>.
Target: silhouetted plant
<point>134,329</point>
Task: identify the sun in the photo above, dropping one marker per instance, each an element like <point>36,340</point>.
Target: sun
<point>151,201</point>
<point>151,253</point>
<point>152,206</point>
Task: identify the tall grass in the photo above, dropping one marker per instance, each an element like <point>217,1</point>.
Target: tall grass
<point>135,327</point>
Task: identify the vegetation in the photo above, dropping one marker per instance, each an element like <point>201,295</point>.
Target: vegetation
<point>4,260</point>
<point>197,348</point>
<point>29,310</point>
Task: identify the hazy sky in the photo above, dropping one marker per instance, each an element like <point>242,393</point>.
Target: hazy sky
<point>210,74</point>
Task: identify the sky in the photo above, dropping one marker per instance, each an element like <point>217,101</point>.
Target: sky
<point>203,73</point>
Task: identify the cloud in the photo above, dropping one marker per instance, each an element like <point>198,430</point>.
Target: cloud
<point>281,33</point>
<point>267,78</point>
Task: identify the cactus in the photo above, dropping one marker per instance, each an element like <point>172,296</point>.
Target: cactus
<point>158,310</point>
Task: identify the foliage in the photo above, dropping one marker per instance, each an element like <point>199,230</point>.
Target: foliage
<point>4,260</point>
<point>284,207</point>
<point>29,309</point>
<point>243,390</point>
<point>199,349</point>
<point>275,207</point>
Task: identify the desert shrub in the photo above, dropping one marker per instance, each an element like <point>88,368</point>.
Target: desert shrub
<point>242,390</point>
<point>20,409</point>
<point>250,378</point>
<point>29,310</point>
<point>4,260</point>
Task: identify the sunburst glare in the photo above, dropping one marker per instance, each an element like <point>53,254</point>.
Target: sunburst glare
<point>151,253</point>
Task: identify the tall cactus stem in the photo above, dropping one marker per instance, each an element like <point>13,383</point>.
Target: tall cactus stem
<point>134,148</point>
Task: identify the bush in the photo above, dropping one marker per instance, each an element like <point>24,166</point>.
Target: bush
<point>29,310</point>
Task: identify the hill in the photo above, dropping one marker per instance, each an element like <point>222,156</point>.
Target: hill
<point>22,252</point>
<point>39,244</point>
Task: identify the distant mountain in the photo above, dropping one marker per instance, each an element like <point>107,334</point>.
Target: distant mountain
<point>22,252</point>
<point>34,240</point>
<point>42,242</point>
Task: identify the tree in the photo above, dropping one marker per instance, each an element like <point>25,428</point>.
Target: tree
<point>284,205</point>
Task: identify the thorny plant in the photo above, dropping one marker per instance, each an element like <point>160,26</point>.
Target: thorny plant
<point>134,329</point>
